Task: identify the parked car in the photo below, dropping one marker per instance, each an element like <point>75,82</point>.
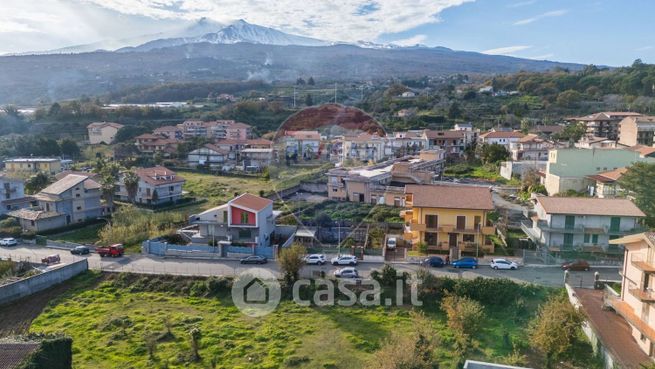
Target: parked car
<point>391,243</point>
<point>254,259</point>
<point>503,264</point>
<point>9,241</point>
<point>465,263</point>
<point>80,250</point>
<point>315,259</point>
<point>434,261</point>
<point>114,251</point>
<point>348,272</point>
<point>575,265</point>
<point>344,260</point>
<point>51,259</point>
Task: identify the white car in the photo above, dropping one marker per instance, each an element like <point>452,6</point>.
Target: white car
<point>315,259</point>
<point>8,242</point>
<point>503,264</point>
<point>391,243</point>
<point>344,260</point>
<point>348,272</point>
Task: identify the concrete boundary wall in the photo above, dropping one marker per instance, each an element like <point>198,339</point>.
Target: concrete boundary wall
<point>25,287</point>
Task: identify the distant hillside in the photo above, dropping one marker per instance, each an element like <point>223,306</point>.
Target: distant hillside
<point>32,78</point>
<point>330,115</point>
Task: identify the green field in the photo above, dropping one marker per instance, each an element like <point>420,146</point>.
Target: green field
<point>144,322</point>
<point>219,189</point>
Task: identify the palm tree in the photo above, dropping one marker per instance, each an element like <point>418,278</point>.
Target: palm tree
<point>131,181</point>
<point>108,182</point>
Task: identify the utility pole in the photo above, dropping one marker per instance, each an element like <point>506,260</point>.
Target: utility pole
<point>294,97</point>
<point>335,92</point>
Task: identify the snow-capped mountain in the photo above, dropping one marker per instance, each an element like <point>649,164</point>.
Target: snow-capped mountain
<point>240,31</point>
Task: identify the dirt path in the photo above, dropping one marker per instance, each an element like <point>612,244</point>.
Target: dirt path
<point>16,317</point>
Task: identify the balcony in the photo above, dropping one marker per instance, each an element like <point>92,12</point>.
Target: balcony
<point>625,310</point>
<point>417,227</point>
<point>642,295</point>
<point>487,231</point>
<point>641,263</point>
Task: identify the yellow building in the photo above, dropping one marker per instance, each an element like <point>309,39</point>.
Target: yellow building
<point>33,165</point>
<point>636,303</point>
<point>449,218</point>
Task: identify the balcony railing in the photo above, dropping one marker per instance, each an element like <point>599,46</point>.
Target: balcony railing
<point>642,295</point>
<point>626,311</point>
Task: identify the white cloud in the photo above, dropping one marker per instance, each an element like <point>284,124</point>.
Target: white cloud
<point>554,13</point>
<point>521,3</point>
<point>507,50</point>
<point>410,41</point>
<point>336,21</point>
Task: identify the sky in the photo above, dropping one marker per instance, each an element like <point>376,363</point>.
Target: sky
<point>602,32</point>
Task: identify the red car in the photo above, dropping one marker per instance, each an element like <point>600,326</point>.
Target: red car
<point>113,251</point>
<point>576,265</point>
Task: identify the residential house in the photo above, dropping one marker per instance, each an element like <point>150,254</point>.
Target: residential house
<point>149,143</point>
<point>303,144</point>
<point>232,147</point>
<point>452,142</point>
<point>635,301</point>
<point>638,130</point>
<point>209,155</point>
<point>503,138</point>
<point>644,151</point>
<point>256,158</point>
<point>408,142</point>
<point>12,192</point>
<point>103,132</point>
<point>449,218</point>
<point>408,94</point>
<point>218,129</point>
<point>157,185</point>
<point>49,166</point>
<point>364,147</point>
<point>72,199</point>
<point>530,147</point>
<point>385,183</point>
<point>246,220</point>
<point>603,124</point>
<point>604,184</point>
<point>568,169</point>
<point>170,132</point>
<point>581,224</point>
<point>593,142</point>
<point>237,131</point>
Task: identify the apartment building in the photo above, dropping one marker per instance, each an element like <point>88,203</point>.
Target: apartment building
<point>171,132</point>
<point>603,124</point>
<point>385,183</point>
<point>218,129</point>
<point>50,166</point>
<point>150,143</point>
<point>209,155</point>
<point>605,184</point>
<point>503,138</point>
<point>102,132</point>
<point>450,219</point>
<point>454,143</point>
<point>637,297</point>
<point>12,195</point>
<point>72,199</point>
<point>638,130</point>
<point>365,147</point>
<point>157,185</point>
<point>567,169</point>
<point>530,147</point>
<point>303,144</point>
<point>408,142</point>
<point>582,224</point>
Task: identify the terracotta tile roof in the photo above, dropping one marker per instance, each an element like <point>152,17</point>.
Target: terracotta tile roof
<point>450,196</point>
<point>230,141</point>
<point>530,138</point>
<point>251,202</point>
<point>642,149</point>
<point>14,354</point>
<point>363,137</point>
<point>609,176</point>
<point>216,149</point>
<point>104,124</point>
<point>239,125</point>
<point>148,136</point>
<point>589,206</point>
<point>502,134</point>
<point>260,142</point>
<point>158,176</point>
<point>641,119</point>
<point>611,329</point>
<point>30,214</point>
<point>547,129</point>
<point>304,135</point>
<point>94,176</point>
<point>430,134</point>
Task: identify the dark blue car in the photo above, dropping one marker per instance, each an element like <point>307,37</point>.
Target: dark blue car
<point>465,263</point>
<point>434,261</point>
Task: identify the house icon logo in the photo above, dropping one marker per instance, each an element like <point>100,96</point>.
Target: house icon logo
<point>256,292</point>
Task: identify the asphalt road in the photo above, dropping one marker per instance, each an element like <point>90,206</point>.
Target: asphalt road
<point>544,275</point>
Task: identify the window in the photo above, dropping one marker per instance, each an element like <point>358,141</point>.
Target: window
<point>244,233</point>
<point>569,222</point>
<point>461,222</point>
<point>568,240</point>
<point>77,195</point>
<point>244,218</point>
<point>335,190</point>
<point>79,208</point>
<point>431,221</point>
<point>171,188</point>
<point>615,224</point>
<point>431,239</point>
<point>477,220</point>
<point>594,239</point>
<point>587,236</point>
<point>468,238</point>
<point>225,217</point>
